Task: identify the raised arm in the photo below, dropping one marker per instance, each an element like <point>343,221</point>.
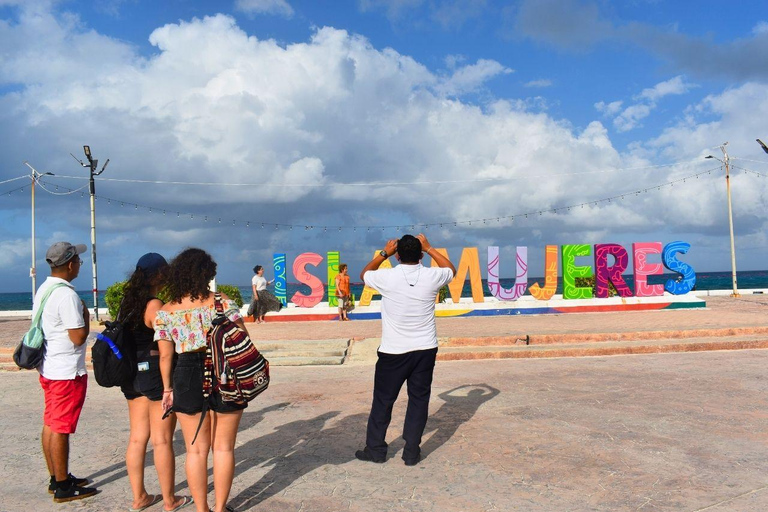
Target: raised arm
<point>375,263</point>
<point>441,260</point>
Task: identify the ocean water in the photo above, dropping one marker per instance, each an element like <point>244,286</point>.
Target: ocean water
<point>704,281</point>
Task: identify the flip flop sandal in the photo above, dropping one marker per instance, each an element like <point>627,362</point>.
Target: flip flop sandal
<point>185,500</point>
<point>156,498</point>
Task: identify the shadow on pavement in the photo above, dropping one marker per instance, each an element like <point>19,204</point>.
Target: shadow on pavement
<point>117,471</point>
<point>293,450</point>
<point>461,403</point>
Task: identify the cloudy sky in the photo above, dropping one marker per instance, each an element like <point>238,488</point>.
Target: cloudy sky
<point>325,121</point>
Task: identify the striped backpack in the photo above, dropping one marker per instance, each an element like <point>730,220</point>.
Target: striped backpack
<point>233,366</point>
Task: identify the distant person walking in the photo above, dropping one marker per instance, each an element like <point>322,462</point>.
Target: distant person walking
<point>181,326</point>
<point>342,291</point>
<point>66,324</point>
<point>408,341</point>
<point>263,301</point>
<point>145,411</point>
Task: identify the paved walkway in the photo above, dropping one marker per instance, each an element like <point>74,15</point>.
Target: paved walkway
<point>674,432</point>
<point>653,432</point>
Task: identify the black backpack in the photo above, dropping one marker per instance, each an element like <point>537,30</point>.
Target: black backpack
<point>114,354</point>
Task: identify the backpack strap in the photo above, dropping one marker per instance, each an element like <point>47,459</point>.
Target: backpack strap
<point>39,314</point>
<point>207,369</point>
<point>219,305</point>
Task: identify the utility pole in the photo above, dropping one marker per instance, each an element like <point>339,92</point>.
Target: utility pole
<point>92,165</point>
<point>33,270</point>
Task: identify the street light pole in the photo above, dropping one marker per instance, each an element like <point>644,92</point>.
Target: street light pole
<point>92,166</point>
<point>726,163</point>
<point>33,270</point>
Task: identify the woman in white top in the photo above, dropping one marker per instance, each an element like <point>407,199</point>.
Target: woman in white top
<point>263,301</point>
<point>180,327</point>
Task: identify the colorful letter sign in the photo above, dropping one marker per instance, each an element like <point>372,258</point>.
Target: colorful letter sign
<point>550,276</point>
<point>281,288</point>
<point>521,275</point>
<point>469,263</point>
<point>687,280</point>
<point>368,292</point>
<point>643,269</point>
<point>333,271</point>
<point>302,276</point>
<point>571,272</point>
<point>613,274</point>
<point>610,263</point>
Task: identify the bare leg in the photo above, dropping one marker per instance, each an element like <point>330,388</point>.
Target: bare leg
<point>135,454</point>
<point>223,436</point>
<point>197,456</point>
<point>58,450</point>
<point>162,448</point>
<point>45,440</point>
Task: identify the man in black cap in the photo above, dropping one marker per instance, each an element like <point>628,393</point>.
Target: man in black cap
<point>63,377</point>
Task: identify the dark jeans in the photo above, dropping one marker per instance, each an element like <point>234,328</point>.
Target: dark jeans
<point>392,370</point>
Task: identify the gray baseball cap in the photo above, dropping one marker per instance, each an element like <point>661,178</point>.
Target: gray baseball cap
<point>61,252</point>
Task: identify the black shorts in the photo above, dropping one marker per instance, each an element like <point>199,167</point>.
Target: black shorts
<point>188,387</point>
<point>148,381</point>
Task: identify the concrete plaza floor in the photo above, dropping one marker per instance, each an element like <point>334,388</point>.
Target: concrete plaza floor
<point>654,432</point>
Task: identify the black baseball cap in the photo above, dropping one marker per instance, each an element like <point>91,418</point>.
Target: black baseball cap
<point>151,262</point>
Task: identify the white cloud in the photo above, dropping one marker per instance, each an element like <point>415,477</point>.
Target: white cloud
<point>609,109</point>
<point>673,86</point>
<point>539,83</point>
<point>15,252</point>
<point>395,8</point>
<point>468,78</point>
<point>214,103</point>
<point>632,115</point>
<point>761,28</point>
<point>279,7</point>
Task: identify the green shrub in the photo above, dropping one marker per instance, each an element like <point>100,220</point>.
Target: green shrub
<point>442,295</point>
<point>231,291</point>
<point>114,296</point>
<point>589,282</point>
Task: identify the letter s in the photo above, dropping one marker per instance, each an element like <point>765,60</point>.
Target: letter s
<point>669,257</point>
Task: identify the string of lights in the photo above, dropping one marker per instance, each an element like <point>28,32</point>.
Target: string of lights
<point>14,179</point>
<point>397,227</point>
<point>749,160</point>
<point>56,193</point>
<point>749,171</point>
<point>527,177</point>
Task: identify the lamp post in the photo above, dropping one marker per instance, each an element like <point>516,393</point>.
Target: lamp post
<point>33,270</point>
<point>726,164</point>
<point>92,165</point>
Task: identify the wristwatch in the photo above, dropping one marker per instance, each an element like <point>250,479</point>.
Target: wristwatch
<point>383,254</point>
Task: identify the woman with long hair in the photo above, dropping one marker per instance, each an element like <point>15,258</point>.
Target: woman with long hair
<point>263,301</point>
<point>181,327</point>
<point>144,395</point>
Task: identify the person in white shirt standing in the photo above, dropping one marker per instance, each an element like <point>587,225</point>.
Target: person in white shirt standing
<point>408,341</point>
<point>66,324</point>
